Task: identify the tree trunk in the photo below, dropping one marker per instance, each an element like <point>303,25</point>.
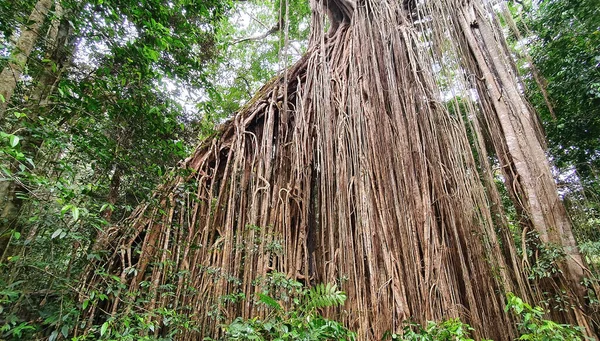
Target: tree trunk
<point>59,49</point>
<point>352,164</point>
<point>113,192</point>
<point>60,45</point>
<point>9,213</point>
<point>537,188</point>
<point>29,36</point>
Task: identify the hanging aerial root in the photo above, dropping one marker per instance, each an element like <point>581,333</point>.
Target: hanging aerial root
<point>353,168</point>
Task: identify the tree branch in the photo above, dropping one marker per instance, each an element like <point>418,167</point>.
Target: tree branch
<point>272,30</point>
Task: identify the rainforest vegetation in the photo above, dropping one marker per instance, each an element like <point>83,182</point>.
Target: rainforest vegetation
<point>299,170</point>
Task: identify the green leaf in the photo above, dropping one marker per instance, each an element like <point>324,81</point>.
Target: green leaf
<point>56,233</point>
<point>14,140</point>
<point>85,304</point>
<point>65,209</point>
<point>75,212</point>
<point>104,328</point>
<point>64,331</point>
<point>269,301</point>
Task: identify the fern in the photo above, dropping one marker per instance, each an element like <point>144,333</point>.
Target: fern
<point>323,296</point>
<point>299,320</point>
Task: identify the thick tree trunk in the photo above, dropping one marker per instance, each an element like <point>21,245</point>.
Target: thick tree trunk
<point>537,188</point>
<point>354,168</point>
<point>29,36</point>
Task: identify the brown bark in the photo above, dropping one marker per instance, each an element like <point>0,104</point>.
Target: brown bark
<point>29,36</point>
<point>60,46</point>
<point>113,192</point>
<point>352,162</point>
<point>537,186</point>
<point>539,79</point>
<point>10,205</point>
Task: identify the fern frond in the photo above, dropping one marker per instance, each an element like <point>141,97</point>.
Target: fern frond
<point>324,295</point>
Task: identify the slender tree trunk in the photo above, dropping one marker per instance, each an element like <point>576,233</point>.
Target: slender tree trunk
<point>539,79</point>
<point>59,49</point>
<point>9,213</point>
<point>113,193</point>
<point>29,36</point>
<point>60,46</point>
<point>124,139</point>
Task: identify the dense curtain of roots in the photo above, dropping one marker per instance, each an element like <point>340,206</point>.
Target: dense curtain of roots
<point>354,167</point>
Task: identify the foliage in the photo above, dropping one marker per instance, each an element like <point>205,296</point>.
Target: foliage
<point>99,117</point>
<point>564,43</point>
<point>449,330</point>
<point>301,321</point>
<point>563,40</point>
<point>259,39</point>
<point>534,327</point>
<point>547,257</point>
<point>58,316</point>
<point>103,114</point>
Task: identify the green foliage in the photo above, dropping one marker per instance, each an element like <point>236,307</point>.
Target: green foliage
<point>547,257</point>
<point>323,296</point>
<point>301,319</point>
<point>98,119</point>
<point>58,314</point>
<point>564,44</point>
<point>563,40</point>
<point>250,58</point>
<point>534,327</point>
<point>147,326</point>
<point>449,330</point>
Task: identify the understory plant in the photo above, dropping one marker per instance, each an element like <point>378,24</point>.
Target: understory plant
<point>534,327</point>
<point>449,330</point>
<point>301,321</point>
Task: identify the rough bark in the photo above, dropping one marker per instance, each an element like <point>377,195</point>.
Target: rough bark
<point>9,212</point>
<point>353,164</point>
<point>12,72</point>
<point>59,49</point>
<point>537,188</point>
<point>60,46</point>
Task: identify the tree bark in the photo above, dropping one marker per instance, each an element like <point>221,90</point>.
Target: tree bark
<point>60,46</point>
<point>353,165</point>
<point>538,188</point>
<point>29,36</point>
<point>59,49</point>
<point>9,213</point>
